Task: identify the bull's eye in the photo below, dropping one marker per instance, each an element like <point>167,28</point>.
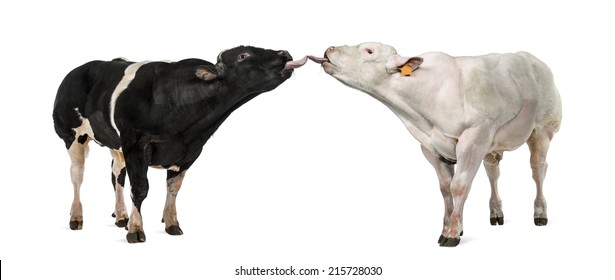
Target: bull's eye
<point>242,57</point>
<point>369,51</point>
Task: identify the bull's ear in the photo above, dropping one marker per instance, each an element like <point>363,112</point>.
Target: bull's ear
<point>397,62</point>
<point>206,72</point>
<point>415,62</point>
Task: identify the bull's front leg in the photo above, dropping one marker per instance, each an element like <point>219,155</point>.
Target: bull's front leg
<point>471,147</point>
<point>136,165</point>
<point>445,171</point>
<point>169,216</point>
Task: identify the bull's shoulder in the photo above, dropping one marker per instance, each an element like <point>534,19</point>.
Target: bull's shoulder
<point>166,73</point>
<point>192,62</point>
<point>490,83</point>
<point>176,84</point>
<point>439,67</point>
<point>437,58</point>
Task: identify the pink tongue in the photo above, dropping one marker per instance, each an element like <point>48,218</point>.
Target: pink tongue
<point>316,59</point>
<point>296,63</point>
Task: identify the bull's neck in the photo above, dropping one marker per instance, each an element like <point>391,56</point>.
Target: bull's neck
<point>211,114</point>
<point>407,106</point>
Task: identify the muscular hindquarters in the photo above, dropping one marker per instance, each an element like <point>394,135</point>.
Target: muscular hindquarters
<point>549,111</point>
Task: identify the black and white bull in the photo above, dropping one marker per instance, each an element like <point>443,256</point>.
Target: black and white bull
<point>157,114</point>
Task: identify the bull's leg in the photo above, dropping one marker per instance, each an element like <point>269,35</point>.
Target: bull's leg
<point>472,146</point>
<point>169,216</point>
<point>445,172</point>
<point>118,178</point>
<point>491,163</point>
<point>136,165</point>
<point>77,152</point>
<point>539,146</point>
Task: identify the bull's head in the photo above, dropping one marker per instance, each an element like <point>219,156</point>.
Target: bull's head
<point>366,65</point>
<point>251,69</point>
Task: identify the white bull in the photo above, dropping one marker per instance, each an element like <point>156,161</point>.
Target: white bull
<point>463,110</point>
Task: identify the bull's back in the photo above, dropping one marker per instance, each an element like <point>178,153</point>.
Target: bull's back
<point>499,84</point>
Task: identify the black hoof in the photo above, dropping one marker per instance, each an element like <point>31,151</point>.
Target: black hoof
<point>174,230</point>
<point>135,237</point>
<point>122,223</point>
<point>541,221</point>
<point>448,242</point>
<point>76,225</point>
<point>497,221</point>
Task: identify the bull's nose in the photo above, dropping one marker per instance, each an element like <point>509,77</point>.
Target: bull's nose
<point>328,51</point>
<point>285,54</point>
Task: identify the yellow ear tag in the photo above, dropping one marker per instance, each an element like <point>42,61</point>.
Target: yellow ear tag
<point>406,70</point>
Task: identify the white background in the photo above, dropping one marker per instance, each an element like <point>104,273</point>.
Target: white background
<point>312,174</point>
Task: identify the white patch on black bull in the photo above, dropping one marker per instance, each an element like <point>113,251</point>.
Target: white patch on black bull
<point>129,75</point>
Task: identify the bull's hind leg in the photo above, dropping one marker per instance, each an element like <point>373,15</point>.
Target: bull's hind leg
<point>77,152</point>
<point>118,177</point>
<point>539,146</point>
<point>169,216</point>
<point>491,162</point>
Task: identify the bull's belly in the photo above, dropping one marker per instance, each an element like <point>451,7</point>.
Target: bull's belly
<point>509,136</point>
<point>174,152</point>
<point>170,154</point>
<point>517,131</point>
<point>505,139</point>
<point>508,139</point>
